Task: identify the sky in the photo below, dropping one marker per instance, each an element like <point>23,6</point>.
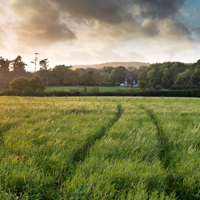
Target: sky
<point>74,32</point>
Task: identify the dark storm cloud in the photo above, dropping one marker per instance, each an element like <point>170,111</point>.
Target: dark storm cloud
<point>115,11</point>
<point>110,11</point>
<point>149,28</point>
<point>118,15</point>
<point>159,8</point>
<point>51,21</point>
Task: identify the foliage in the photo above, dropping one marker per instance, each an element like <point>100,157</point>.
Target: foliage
<point>36,84</point>
<point>44,64</point>
<point>183,79</point>
<point>108,83</point>
<point>72,78</point>
<point>20,83</point>
<point>24,84</point>
<point>154,75</point>
<point>168,75</point>
<point>143,85</point>
<point>119,74</point>
<point>59,72</point>
<point>195,78</point>
<point>117,84</point>
<point>85,89</point>
<point>4,65</point>
<point>19,65</point>
<point>158,87</point>
<point>96,89</point>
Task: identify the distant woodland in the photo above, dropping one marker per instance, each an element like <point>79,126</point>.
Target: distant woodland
<point>167,75</point>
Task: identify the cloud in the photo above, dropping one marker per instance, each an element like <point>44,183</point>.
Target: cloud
<point>107,11</point>
<point>48,22</point>
<point>39,23</point>
<point>42,23</point>
<point>116,11</point>
<point>136,56</point>
<point>126,19</point>
<point>149,28</point>
<point>174,30</point>
<point>158,9</point>
<point>95,28</point>
<point>2,36</point>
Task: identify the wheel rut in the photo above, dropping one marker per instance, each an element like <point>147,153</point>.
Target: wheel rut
<point>162,139</point>
<point>175,180</point>
<point>80,154</point>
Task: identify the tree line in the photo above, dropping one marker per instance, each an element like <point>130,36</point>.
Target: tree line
<point>168,75</point>
<point>171,75</point>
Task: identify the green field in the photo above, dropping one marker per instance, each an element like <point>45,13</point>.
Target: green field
<point>99,148</point>
<point>81,88</point>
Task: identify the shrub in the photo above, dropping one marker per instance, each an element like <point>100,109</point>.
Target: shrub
<point>117,84</point>
<point>36,84</point>
<point>20,84</point>
<point>96,89</point>
<point>107,83</point>
<point>84,89</point>
<point>175,87</point>
<point>158,87</point>
<point>23,84</point>
<point>73,90</point>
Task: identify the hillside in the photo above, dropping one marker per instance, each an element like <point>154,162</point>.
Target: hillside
<point>113,64</point>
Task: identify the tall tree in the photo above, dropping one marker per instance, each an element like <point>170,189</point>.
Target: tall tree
<point>19,65</point>
<point>108,69</point>
<point>44,64</point>
<point>72,78</point>
<point>134,72</point>
<point>154,75</point>
<point>143,73</point>
<point>35,60</point>
<point>195,78</point>
<point>167,80</point>
<point>4,65</point>
<point>59,72</point>
<point>119,74</point>
<point>183,79</point>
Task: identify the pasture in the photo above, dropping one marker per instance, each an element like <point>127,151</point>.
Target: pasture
<point>99,148</point>
<point>89,88</point>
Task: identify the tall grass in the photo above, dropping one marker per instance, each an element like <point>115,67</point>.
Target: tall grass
<point>99,148</point>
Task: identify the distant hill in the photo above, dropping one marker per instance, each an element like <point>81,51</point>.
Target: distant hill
<point>112,64</point>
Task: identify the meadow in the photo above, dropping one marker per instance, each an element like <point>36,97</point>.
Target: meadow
<point>89,88</point>
<point>99,148</point>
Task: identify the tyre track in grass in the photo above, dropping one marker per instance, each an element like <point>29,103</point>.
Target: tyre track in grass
<point>80,154</point>
<point>164,151</point>
<point>175,180</point>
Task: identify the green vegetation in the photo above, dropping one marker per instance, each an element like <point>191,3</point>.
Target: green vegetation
<point>157,76</point>
<point>24,84</point>
<point>99,148</point>
<point>81,88</point>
